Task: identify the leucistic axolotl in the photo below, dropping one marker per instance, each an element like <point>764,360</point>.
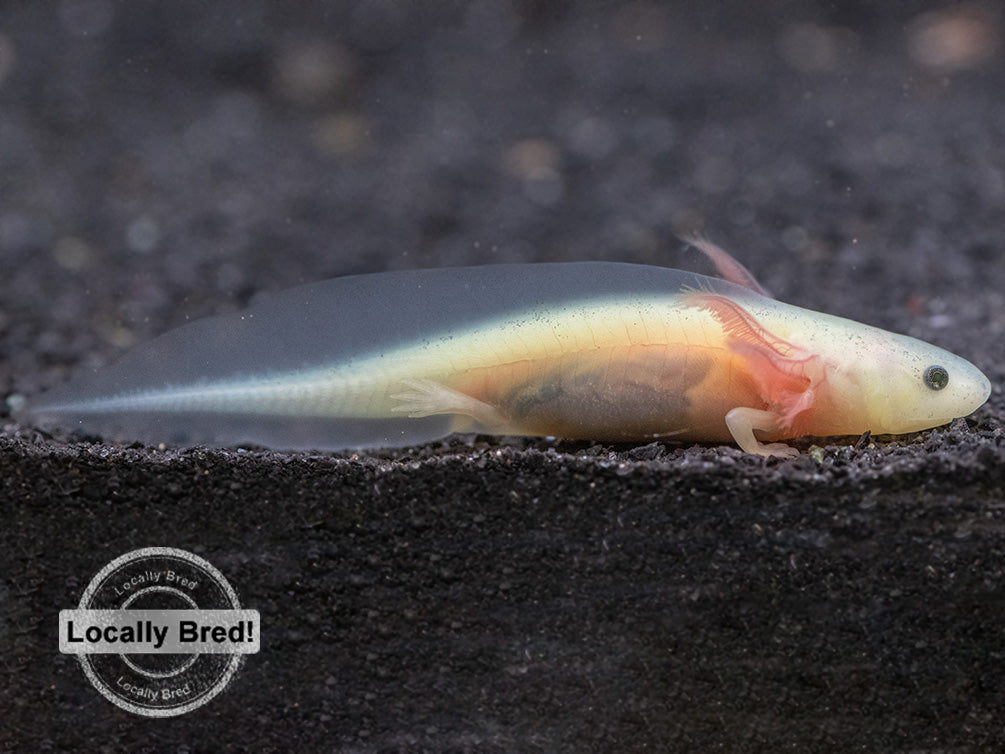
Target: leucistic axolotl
<point>587,350</point>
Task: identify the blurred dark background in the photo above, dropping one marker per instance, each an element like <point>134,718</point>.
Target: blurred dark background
<point>161,161</point>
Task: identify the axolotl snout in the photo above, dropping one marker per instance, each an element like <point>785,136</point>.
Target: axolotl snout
<point>588,350</point>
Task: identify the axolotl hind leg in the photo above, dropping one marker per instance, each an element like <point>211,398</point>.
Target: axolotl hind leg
<point>424,397</point>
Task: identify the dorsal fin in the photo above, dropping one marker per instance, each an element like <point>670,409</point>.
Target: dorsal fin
<point>727,267</point>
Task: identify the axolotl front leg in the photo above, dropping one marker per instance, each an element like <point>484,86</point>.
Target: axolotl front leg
<point>743,421</point>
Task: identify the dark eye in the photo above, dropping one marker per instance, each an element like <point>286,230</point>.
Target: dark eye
<point>936,377</point>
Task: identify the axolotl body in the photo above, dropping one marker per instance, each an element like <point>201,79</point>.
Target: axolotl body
<point>586,350</point>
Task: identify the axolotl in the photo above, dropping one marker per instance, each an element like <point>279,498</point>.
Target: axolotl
<point>583,350</point>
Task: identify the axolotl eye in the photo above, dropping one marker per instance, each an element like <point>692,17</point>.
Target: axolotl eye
<point>936,377</point>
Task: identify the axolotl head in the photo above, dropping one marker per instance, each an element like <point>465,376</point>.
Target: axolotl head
<point>910,385</point>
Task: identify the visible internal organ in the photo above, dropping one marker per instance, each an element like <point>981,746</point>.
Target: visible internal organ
<point>627,393</point>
